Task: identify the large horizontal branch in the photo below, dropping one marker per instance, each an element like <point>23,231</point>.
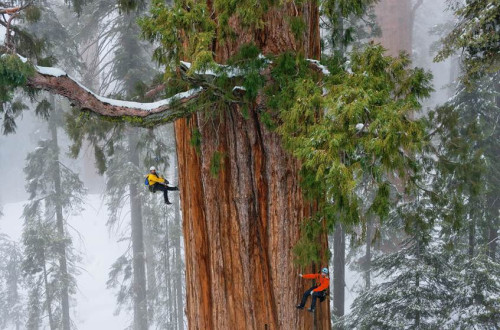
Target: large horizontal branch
<point>58,82</point>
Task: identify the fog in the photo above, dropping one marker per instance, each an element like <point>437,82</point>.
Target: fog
<point>104,201</point>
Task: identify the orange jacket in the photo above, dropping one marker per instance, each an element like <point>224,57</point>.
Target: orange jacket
<point>154,178</point>
<point>322,282</point>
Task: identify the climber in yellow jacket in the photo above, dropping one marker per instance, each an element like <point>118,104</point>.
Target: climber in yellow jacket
<point>316,291</point>
<point>156,182</point>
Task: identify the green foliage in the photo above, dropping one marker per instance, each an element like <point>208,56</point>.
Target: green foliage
<point>127,6</point>
<point>467,170</point>
<point>32,14</point>
<point>297,26</point>
<point>81,126</point>
<point>43,109</point>
<point>77,5</point>
<point>13,73</point>
<point>216,163</point>
<point>306,250</point>
<point>477,33</point>
<point>413,294</point>
<point>477,299</point>
<point>347,22</point>
<point>11,284</point>
<point>54,192</point>
<point>195,139</point>
<point>186,23</point>
<point>361,130</point>
<point>249,12</point>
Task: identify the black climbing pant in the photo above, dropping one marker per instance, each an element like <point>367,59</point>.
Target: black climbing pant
<point>315,295</point>
<point>160,187</point>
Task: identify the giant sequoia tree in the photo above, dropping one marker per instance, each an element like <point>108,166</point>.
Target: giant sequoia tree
<point>271,145</point>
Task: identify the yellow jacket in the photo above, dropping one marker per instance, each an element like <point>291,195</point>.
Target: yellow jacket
<point>154,178</point>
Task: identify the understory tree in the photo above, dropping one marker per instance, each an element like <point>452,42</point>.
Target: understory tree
<point>416,281</point>
<point>12,284</point>
<point>49,261</point>
<point>456,265</point>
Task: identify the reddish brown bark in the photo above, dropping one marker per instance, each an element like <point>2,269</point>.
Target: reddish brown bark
<point>395,20</point>
<point>240,226</point>
<point>82,98</point>
<point>276,37</point>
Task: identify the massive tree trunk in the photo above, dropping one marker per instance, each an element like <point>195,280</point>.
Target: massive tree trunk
<point>241,225</point>
<point>179,282</point>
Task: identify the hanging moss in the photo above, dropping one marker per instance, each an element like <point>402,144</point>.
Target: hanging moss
<point>297,26</point>
<point>216,163</point>
<point>195,139</point>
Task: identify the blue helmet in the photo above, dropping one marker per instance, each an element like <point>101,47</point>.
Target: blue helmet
<point>325,271</point>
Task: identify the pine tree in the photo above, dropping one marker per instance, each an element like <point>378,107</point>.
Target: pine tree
<point>347,23</point>
<point>476,299</point>
<point>476,33</point>
<point>163,231</point>
<point>416,287</point>
<point>467,177</point>
<point>468,153</point>
<point>12,311</point>
<point>54,190</point>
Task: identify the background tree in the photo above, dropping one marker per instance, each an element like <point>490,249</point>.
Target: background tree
<point>475,32</point>
<point>54,190</point>
<point>12,308</point>
<point>345,23</point>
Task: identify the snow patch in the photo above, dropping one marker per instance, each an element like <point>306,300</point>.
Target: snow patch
<point>48,71</point>
<point>231,71</point>
<point>146,106</point>
<point>323,68</point>
<point>239,88</point>
<point>56,72</point>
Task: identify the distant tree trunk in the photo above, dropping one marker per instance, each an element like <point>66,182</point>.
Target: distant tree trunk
<point>472,234</point>
<point>150,267</point>
<point>63,266</point>
<point>48,295</point>
<point>90,79</point>
<point>168,274</point>
<point>368,253</point>
<point>395,20</point>
<point>494,204</point>
<point>241,225</point>
<point>493,234</point>
<point>139,267</point>
<point>417,285</point>
<point>338,270</point>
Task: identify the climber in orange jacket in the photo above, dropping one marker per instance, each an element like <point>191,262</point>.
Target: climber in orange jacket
<point>316,291</point>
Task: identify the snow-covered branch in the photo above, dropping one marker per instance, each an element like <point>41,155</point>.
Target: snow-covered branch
<point>58,82</point>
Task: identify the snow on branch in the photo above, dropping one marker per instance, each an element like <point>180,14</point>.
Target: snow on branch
<point>319,66</point>
<point>56,81</point>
